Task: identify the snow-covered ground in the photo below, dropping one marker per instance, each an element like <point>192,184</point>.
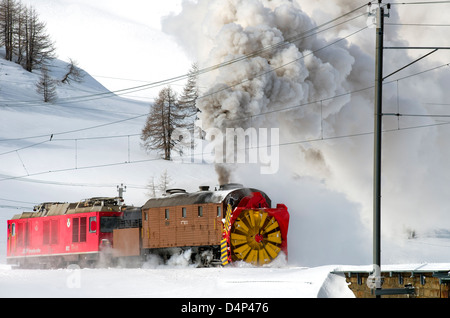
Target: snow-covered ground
<point>175,282</point>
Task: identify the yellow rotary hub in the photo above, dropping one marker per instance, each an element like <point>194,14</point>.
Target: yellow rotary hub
<point>255,237</point>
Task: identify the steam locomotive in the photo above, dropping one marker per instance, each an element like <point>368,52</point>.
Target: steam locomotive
<point>229,224</point>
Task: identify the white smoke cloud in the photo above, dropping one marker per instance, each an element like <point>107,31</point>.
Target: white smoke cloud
<point>312,77</point>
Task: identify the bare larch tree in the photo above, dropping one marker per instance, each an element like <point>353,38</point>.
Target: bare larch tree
<point>165,116</point>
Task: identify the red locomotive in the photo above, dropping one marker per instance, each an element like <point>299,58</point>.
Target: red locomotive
<point>230,224</point>
<point>59,233</point>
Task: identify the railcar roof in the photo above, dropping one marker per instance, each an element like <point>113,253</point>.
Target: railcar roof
<point>201,197</point>
<point>62,208</point>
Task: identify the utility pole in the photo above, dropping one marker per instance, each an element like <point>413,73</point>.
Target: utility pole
<point>378,114</point>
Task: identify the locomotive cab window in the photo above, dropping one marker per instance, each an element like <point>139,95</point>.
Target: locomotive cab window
<point>108,223</point>
<point>92,224</point>
<point>166,214</point>
<point>200,211</point>
<point>183,212</point>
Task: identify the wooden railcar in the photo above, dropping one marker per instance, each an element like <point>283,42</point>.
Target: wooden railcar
<point>229,224</point>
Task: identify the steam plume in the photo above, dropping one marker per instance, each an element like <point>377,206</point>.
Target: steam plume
<point>312,77</point>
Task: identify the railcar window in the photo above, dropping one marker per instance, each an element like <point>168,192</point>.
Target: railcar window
<point>200,211</point>
<point>46,232</point>
<point>79,230</point>
<point>50,229</point>
<point>75,229</point>
<point>20,234</point>
<point>219,211</point>
<point>108,223</point>
<point>183,212</point>
<point>166,214</point>
<point>83,229</point>
<point>54,232</point>
<point>13,230</point>
<point>27,232</point>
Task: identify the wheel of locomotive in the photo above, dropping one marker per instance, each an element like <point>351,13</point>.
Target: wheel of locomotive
<point>255,237</point>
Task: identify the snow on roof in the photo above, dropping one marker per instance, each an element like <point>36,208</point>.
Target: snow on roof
<point>417,268</point>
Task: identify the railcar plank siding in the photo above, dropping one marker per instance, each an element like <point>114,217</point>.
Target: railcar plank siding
<point>179,230</point>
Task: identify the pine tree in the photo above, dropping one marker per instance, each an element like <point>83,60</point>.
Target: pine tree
<point>164,117</point>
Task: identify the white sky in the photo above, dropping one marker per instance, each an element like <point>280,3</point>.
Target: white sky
<point>115,39</point>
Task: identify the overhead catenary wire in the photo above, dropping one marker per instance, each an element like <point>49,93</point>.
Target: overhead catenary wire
<point>281,66</point>
<point>207,69</point>
<point>415,115</point>
<point>418,24</point>
<point>241,118</point>
<point>275,110</point>
<point>420,2</point>
<point>221,65</point>
<point>75,130</point>
<point>10,206</point>
<point>292,107</point>
<point>321,138</point>
<point>17,207</point>
<point>285,109</point>
<point>106,94</point>
<point>26,178</point>
<point>294,142</point>
<point>62,183</point>
<point>174,79</point>
<point>292,39</point>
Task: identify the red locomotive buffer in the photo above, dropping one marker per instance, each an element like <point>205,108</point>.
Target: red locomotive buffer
<point>58,234</point>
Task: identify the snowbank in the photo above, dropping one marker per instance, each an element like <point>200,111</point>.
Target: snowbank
<point>174,282</point>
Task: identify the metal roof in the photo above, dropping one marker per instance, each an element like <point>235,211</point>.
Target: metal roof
<point>179,197</point>
<point>60,208</point>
